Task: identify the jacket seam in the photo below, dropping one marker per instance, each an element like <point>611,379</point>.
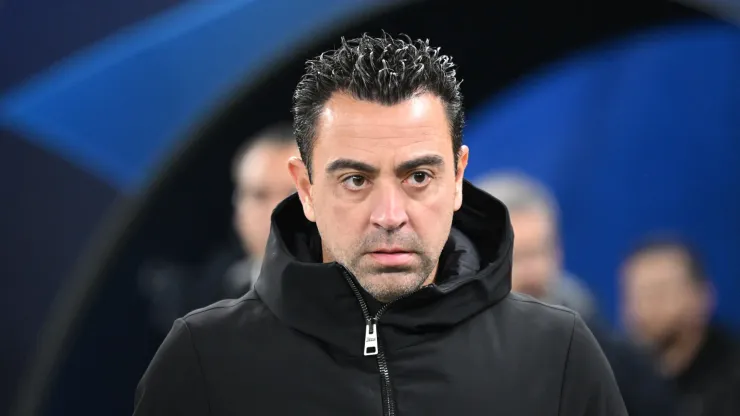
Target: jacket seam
<point>199,364</point>
<point>534,302</point>
<point>214,307</point>
<point>565,367</point>
<point>554,307</point>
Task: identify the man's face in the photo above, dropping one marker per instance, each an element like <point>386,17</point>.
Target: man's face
<point>384,190</point>
<point>660,298</point>
<point>261,185</point>
<point>536,253</point>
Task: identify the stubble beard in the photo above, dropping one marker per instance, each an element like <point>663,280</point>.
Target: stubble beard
<point>386,283</point>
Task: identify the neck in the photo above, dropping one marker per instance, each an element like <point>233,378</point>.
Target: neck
<point>679,355</point>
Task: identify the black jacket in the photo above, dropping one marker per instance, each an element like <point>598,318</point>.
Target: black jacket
<point>710,386</point>
<point>465,345</point>
<point>644,391</point>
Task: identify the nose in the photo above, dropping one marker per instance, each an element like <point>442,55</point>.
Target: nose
<point>389,208</point>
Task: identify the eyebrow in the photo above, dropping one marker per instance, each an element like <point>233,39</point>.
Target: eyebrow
<point>409,165</point>
<point>349,164</point>
<point>429,160</point>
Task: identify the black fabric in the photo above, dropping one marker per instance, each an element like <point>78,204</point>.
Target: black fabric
<point>644,391</point>
<point>464,345</point>
<point>710,386</point>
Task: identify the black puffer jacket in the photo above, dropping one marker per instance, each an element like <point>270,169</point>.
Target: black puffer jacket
<point>310,341</point>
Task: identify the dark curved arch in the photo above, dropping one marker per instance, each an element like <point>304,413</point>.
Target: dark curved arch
<point>116,230</point>
<point>455,28</point>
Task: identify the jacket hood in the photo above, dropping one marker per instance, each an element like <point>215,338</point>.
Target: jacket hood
<point>315,298</point>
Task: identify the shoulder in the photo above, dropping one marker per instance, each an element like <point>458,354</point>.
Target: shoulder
<point>587,384</point>
<point>529,310</point>
<point>543,329</point>
<point>229,316</point>
<point>569,291</point>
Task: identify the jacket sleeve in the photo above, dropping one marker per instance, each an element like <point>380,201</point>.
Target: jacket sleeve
<point>173,385</point>
<point>589,387</point>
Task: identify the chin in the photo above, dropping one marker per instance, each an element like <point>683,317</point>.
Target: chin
<point>389,286</point>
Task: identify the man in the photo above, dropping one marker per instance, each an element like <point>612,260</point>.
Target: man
<point>538,257</point>
<point>538,270</point>
<point>259,187</point>
<point>667,306</point>
<point>174,291</point>
<point>386,281</point>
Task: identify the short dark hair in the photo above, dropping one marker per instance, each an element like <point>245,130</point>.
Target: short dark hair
<point>384,70</point>
<point>278,134</point>
<point>670,241</point>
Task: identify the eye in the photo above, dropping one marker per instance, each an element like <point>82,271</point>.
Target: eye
<point>419,178</point>
<point>354,182</point>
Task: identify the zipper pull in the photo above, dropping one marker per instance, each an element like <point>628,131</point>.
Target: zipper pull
<point>371,338</point>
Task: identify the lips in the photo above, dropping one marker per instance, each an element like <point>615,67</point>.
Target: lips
<point>391,251</point>
<point>392,257</point>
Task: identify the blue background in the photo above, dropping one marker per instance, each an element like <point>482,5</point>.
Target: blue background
<point>640,134</point>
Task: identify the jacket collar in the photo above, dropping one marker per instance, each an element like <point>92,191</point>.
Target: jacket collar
<point>316,299</point>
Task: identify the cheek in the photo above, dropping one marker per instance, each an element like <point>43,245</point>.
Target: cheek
<point>340,224</point>
<point>655,312</point>
<point>254,220</point>
<point>531,266</point>
<point>432,222</point>
<point>643,305</point>
<point>244,216</point>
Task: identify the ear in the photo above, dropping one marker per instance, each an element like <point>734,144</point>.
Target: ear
<point>299,172</point>
<point>462,163</point>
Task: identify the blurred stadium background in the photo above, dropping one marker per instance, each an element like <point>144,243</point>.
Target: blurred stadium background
<point>118,120</point>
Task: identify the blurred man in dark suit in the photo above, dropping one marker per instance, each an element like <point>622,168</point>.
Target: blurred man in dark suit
<point>538,271</point>
<point>259,185</point>
<point>538,256</point>
<point>261,182</point>
<point>668,304</point>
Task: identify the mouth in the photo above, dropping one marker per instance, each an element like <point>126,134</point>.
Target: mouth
<point>392,257</point>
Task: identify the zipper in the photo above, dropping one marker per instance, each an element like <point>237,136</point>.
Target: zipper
<point>373,346</point>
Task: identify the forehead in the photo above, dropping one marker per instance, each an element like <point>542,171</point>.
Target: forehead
<point>363,127</point>
<point>531,224</point>
<point>664,266</point>
<point>266,162</point>
<point>531,218</point>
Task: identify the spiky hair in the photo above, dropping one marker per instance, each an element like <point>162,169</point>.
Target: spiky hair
<point>385,70</point>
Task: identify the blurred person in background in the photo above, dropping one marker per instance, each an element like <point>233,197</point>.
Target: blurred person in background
<point>261,182</point>
<point>538,271</point>
<point>668,303</point>
<point>259,185</point>
<point>538,257</point>
<point>387,244</point>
